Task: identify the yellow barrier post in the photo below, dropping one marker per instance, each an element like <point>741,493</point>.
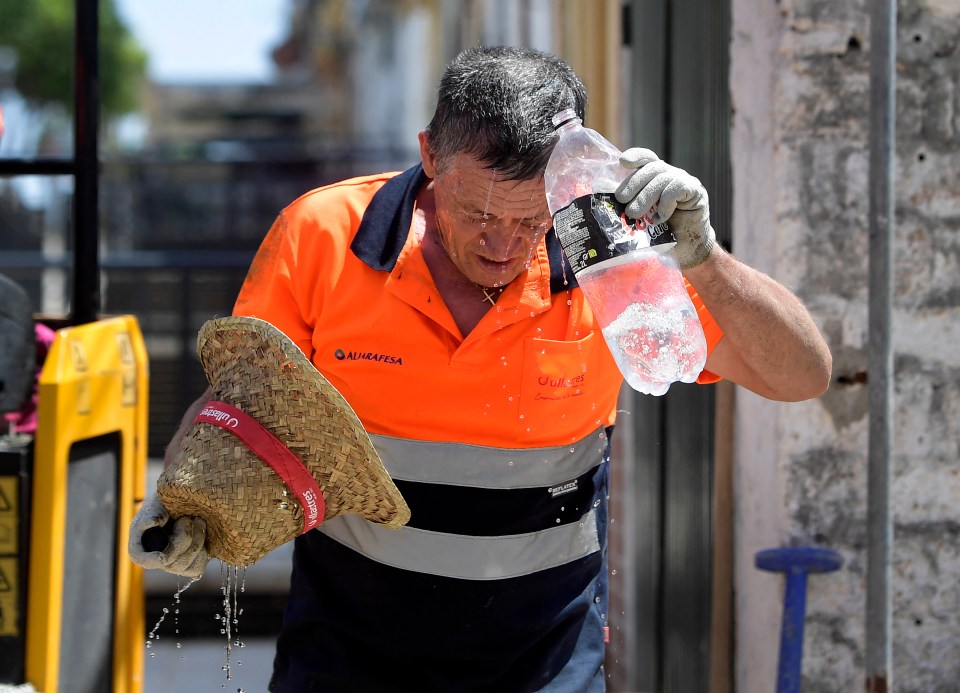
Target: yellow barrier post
<point>89,475</point>
<point>15,455</point>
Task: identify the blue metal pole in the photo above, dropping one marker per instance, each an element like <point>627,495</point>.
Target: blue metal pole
<point>796,563</point>
<point>790,666</point>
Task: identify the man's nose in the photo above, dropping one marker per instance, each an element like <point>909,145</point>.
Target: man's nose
<point>501,240</point>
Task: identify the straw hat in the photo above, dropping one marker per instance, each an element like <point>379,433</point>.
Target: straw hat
<point>268,397</point>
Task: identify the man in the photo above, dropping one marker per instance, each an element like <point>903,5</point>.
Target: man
<point>439,305</point>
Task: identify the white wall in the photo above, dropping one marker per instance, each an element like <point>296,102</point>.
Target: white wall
<point>800,89</point>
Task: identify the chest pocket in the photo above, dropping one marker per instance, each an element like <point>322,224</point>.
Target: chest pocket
<point>562,385</point>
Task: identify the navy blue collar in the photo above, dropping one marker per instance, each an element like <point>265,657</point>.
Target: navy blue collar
<point>386,223</point>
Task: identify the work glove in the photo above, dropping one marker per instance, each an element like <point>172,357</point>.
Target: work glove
<point>669,194</point>
<point>184,554</point>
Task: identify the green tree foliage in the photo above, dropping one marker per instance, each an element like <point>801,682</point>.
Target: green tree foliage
<point>42,34</point>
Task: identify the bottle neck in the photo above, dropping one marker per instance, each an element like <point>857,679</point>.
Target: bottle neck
<point>565,119</point>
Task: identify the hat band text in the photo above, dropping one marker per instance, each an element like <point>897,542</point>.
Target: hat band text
<point>278,456</point>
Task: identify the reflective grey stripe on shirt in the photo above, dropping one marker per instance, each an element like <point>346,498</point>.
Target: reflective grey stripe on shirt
<point>459,464</point>
<point>467,557</point>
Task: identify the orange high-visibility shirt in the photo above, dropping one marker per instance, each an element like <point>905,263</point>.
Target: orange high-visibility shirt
<point>535,370</point>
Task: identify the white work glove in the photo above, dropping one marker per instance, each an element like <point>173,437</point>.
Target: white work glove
<point>675,197</point>
<point>185,553</point>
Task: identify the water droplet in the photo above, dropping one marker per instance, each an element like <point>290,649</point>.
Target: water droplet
<point>613,572</point>
<point>596,600</point>
<point>596,503</point>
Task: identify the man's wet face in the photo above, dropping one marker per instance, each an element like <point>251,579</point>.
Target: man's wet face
<point>490,227</point>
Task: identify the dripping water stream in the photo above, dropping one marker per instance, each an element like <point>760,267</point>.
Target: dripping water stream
<point>232,580</point>
<point>232,584</point>
<point>154,634</point>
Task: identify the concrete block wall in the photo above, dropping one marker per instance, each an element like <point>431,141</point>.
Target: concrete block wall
<point>801,94</point>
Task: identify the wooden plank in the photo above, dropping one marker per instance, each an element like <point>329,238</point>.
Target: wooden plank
<point>721,634</point>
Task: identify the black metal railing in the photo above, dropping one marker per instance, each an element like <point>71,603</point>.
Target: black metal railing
<point>171,293</point>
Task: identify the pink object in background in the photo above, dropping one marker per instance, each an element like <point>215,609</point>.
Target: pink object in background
<point>25,420</point>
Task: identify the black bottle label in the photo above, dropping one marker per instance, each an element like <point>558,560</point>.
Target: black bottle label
<point>595,228</point>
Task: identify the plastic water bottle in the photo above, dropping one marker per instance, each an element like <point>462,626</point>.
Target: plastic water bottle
<point>624,266</point>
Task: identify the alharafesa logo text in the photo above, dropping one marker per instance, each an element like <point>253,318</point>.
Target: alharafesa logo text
<point>342,355</point>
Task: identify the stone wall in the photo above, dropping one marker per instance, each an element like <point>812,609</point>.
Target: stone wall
<point>801,94</point>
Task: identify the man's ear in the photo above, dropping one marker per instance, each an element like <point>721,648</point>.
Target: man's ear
<point>426,156</point>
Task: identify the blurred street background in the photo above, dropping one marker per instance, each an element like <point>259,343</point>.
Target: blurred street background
<point>215,115</point>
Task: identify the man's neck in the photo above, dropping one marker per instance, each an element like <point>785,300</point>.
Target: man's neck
<point>466,300</point>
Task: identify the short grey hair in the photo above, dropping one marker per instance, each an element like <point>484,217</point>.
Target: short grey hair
<point>496,103</point>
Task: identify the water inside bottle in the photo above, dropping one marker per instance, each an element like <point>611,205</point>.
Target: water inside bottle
<point>648,322</point>
<point>643,342</point>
